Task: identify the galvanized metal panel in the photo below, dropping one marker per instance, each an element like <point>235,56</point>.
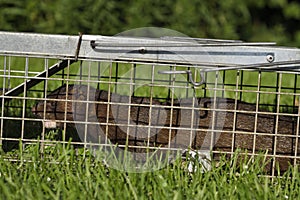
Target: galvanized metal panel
<point>186,52</point>
<point>33,44</point>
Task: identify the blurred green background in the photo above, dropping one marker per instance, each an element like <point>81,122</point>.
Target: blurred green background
<point>259,20</point>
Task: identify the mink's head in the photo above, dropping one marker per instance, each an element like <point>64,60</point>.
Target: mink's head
<point>63,101</point>
<point>38,110</point>
<point>53,110</point>
<point>56,106</point>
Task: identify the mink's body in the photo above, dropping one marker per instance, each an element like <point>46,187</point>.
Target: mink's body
<point>167,127</point>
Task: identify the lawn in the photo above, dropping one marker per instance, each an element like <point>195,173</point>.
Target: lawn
<point>66,174</point>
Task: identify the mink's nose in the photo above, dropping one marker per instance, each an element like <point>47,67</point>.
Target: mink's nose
<point>34,110</point>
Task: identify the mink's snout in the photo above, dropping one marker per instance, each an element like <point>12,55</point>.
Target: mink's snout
<point>35,111</point>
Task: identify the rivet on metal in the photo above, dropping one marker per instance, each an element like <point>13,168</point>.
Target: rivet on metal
<point>142,50</point>
<point>270,58</point>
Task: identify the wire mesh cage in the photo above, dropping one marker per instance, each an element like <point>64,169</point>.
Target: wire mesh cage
<point>142,95</point>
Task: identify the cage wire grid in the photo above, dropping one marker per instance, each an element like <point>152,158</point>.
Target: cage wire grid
<point>135,92</point>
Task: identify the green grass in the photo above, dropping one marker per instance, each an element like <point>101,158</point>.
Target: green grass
<point>65,175</point>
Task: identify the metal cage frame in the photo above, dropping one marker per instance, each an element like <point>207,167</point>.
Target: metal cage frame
<point>225,80</point>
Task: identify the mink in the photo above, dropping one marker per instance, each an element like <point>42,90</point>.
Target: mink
<point>221,123</point>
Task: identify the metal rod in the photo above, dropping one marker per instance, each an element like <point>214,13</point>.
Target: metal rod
<point>33,81</point>
<point>189,73</point>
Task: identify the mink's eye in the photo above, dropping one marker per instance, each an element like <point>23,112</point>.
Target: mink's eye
<point>50,106</point>
<point>53,104</point>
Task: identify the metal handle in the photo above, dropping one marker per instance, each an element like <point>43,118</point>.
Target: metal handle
<point>189,72</point>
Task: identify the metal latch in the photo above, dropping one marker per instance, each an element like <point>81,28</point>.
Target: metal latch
<point>190,75</point>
